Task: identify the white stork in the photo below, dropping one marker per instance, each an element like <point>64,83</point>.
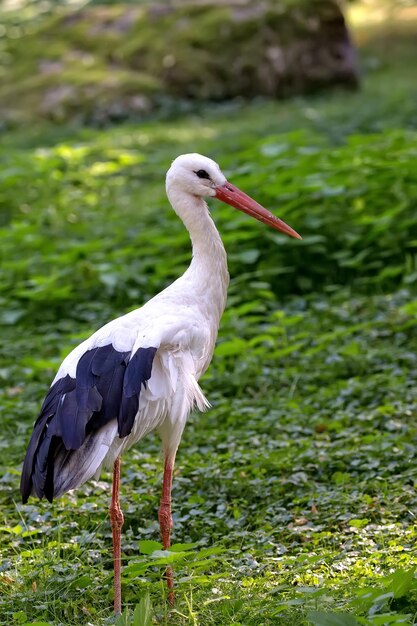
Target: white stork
<point>139,372</point>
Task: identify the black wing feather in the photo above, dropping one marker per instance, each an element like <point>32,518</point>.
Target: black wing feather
<point>49,408</point>
<point>107,386</point>
<point>137,373</point>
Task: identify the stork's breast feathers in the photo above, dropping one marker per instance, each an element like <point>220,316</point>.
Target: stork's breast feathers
<point>174,372</point>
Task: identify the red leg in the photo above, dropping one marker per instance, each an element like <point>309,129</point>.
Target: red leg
<point>165,523</point>
<point>116,521</point>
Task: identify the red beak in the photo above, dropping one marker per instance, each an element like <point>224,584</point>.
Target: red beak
<point>240,200</point>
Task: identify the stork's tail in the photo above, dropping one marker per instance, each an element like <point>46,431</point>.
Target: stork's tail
<point>53,470</point>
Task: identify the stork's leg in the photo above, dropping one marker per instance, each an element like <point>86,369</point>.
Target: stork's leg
<point>165,522</point>
<point>116,521</point>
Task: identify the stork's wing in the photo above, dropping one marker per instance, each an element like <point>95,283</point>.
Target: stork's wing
<point>106,388</point>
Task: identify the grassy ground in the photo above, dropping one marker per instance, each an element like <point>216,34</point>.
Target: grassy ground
<point>295,495</point>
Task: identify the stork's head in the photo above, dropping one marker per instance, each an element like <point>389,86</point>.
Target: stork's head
<point>197,175</point>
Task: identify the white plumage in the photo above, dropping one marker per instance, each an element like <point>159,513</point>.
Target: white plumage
<point>140,372</point>
<point>185,344</point>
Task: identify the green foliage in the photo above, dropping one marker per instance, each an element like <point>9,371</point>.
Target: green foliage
<point>142,615</point>
<point>295,495</point>
<point>355,210</point>
<point>319,618</point>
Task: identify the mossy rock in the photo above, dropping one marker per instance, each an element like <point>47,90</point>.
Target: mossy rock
<point>106,62</point>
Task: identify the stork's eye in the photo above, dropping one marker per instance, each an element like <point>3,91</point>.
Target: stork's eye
<point>203,174</point>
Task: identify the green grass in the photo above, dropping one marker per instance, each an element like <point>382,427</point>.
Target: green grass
<point>295,495</point>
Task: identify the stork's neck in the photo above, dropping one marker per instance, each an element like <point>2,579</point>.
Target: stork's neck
<point>208,269</point>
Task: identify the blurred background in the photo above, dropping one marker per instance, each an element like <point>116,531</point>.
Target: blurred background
<point>109,93</point>
<point>310,106</point>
